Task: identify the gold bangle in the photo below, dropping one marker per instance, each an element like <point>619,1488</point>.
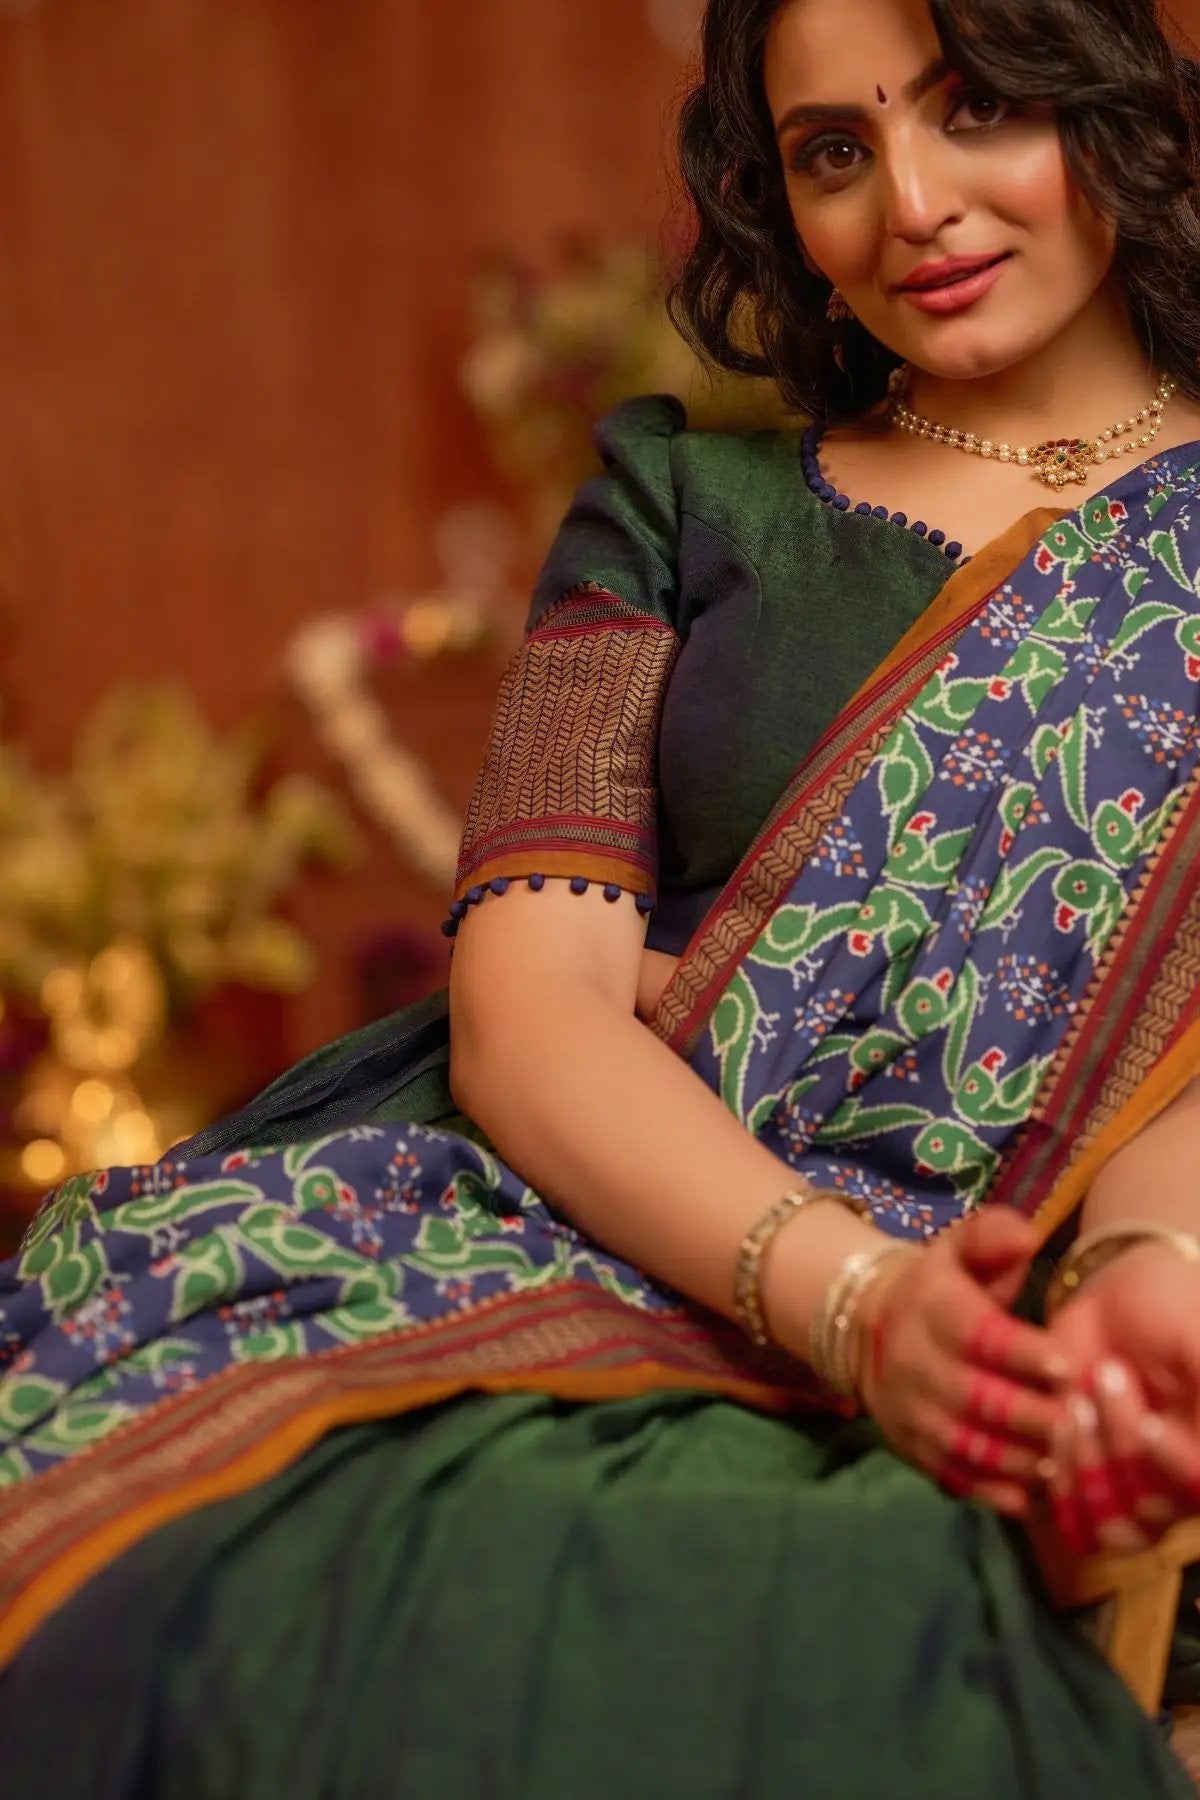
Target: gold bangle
<point>1096,1249</point>
<point>747,1274</point>
<point>831,1341</point>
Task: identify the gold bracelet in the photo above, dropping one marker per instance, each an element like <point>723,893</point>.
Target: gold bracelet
<point>1096,1249</point>
<point>831,1343</point>
<point>747,1274</point>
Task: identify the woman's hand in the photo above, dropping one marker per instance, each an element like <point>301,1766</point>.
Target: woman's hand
<point>1127,1453</point>
<point>958,1385</point>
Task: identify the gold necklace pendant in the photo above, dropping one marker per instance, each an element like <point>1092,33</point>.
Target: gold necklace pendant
<point>1055,462</point>
<point>1060,460</point>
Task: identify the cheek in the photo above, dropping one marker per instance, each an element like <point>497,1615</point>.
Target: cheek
<point>839,235</point>
<point>1035,192</point>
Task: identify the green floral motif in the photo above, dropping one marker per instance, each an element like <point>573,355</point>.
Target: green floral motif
<point>1139,620</point>
<point>1088,892</point>
<point>1064,621</point>
<point>209,1272</point>
<point>155,1210</point>
<point>71,1208</point>
<point>1036,669</point>
<point>947,704</point>
<point>1012,885</point>
<point>984,1098</point>
<point>67,1270</point>
<point>855,1123</point>
<point>14,1467</point>
<point>24,1399</point>
<point>905,772</point>
<point>1164,548</point>
<point>271,1343</point>
<point>78,1423</point>
<point>927,862</point>
<point>949,1148</point>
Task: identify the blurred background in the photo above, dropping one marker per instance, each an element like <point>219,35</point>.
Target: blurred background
<point>306,309</point>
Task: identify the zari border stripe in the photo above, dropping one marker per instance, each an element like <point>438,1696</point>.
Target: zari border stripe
<point>573,1342</point>
<point>818,791</point>
<point>1133,1044</point>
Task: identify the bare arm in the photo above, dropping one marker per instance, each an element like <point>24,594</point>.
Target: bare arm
<point>1155,1176</point>
<point>600,1116</point>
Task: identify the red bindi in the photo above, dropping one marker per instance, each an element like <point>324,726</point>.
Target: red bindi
<point>883,99</point>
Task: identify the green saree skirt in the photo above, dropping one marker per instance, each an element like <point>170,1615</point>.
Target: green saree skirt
<point>512,1598</point>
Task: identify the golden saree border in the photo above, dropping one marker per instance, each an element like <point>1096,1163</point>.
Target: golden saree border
<point>573,1342</point>
<point>818,791</point>
<point>1133,1045</point>
<point>568,782</point>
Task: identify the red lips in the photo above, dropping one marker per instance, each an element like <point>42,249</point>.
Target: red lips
<point>954,268</point>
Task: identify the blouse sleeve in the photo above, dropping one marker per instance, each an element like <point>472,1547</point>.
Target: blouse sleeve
<point>568,785</point>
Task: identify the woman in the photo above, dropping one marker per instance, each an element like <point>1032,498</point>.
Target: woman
<point>340,1461</point>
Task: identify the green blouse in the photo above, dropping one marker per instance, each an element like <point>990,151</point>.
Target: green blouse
<point>777,607</point>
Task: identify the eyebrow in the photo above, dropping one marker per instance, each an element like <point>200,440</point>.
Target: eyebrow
<point>813,114</point>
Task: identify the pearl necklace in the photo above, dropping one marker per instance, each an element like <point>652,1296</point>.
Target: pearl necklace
<point>1056,461</point>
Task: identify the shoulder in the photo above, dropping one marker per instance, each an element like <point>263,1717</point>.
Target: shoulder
<point>704,466</point>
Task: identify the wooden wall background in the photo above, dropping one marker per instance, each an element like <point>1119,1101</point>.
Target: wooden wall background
<point>236,246</point>
<point>236,243</point>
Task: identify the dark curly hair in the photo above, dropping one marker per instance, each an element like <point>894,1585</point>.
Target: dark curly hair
<point>1128,106</point>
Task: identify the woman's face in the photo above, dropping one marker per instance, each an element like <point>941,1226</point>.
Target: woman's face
<point>893,167</point>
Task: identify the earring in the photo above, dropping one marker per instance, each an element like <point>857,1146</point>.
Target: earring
<point>837,311</point>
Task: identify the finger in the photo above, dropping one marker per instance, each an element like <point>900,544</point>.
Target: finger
<point>998,1254</point>
<point>1072,1497</point>
<point>1150,1497</point>
<point>1006,1408</point>
<point>994,1241</point>
<point>1104,1511</point>
<point>989,1455</point>
<point>1175,1455</point>
<point>1011,1498</point>
<point>993,1339</point>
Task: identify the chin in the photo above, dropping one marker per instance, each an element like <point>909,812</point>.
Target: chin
<point>962,350</point>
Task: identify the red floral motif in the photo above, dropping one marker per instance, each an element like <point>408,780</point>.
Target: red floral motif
<point>1065,917</point>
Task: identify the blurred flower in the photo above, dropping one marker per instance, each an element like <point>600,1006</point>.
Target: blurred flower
<point>149,873</point>
<point>552,354</point>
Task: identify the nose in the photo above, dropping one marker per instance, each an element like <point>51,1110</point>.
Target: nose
<point>922,192</point>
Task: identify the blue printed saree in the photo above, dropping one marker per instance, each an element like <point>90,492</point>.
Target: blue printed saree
<point>957,968</point>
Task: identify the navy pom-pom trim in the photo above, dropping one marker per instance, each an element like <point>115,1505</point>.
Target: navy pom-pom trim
<point>827,493</point>
<point>500,884</point>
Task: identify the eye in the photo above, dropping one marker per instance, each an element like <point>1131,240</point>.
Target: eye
<point>832,154</point>
<point>979,110</point>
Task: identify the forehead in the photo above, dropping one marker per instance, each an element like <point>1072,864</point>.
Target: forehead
<point>829,51</point>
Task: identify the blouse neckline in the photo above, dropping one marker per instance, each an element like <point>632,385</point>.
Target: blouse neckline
<point>828,494</point>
